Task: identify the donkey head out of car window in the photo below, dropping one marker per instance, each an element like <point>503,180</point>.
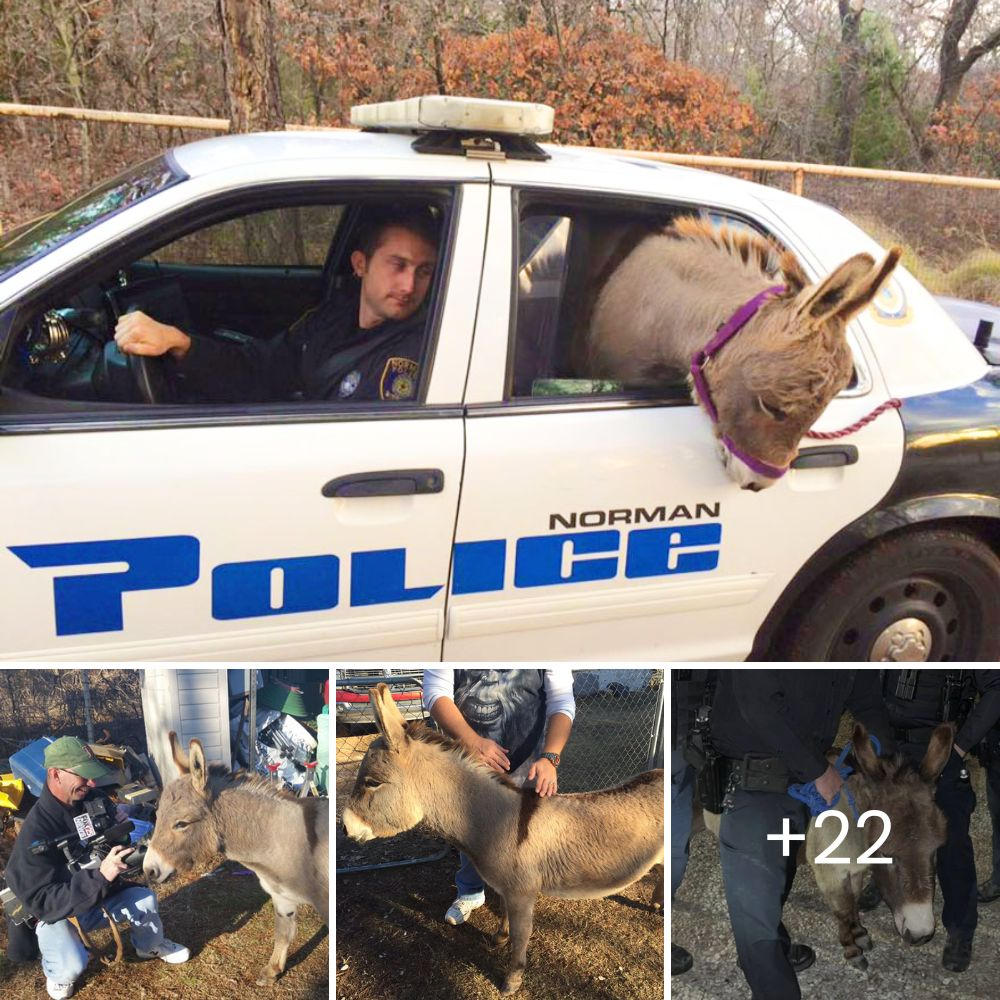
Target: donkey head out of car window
<point>770,382</point>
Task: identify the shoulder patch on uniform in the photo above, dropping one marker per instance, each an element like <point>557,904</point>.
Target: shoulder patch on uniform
<point>399,379</point>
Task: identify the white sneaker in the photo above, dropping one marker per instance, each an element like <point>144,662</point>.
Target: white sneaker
<point>459,911</point>
<point>58,991</point>
<point>168,951</point>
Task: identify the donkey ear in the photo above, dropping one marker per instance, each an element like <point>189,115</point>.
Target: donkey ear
<point>199,769</point>
<point>938,752</point>
<point>859,291</point>
<point>180,757</point>
<point>864,753</point>
<point>821,302</point>
<point>388,720</point>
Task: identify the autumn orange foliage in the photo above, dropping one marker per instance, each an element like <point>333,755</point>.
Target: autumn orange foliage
<point>608,87</point>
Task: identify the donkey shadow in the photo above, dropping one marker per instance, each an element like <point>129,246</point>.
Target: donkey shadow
<point>208,908</point>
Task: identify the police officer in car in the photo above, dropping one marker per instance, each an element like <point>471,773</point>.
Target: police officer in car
<point>917,701</point>
<point>360,345</point>
<point>773,728</point>
<point>54,894</point>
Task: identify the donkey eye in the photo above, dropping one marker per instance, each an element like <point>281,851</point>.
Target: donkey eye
<point>372,783</point>
<point>181,824</point>
<point>774,412</point>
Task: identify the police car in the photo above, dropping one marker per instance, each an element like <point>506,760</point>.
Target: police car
<point>507,510</point>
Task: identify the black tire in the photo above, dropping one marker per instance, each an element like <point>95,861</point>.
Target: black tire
<point>945,578</point>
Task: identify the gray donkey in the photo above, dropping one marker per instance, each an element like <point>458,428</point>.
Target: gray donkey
<point>282,839</point>
<point>579,846</point>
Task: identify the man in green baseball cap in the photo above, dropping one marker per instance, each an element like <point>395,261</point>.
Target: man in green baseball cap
<point>72,769</point>
<point>53,890</point>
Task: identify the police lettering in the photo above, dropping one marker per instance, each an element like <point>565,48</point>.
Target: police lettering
<point>93,601</point>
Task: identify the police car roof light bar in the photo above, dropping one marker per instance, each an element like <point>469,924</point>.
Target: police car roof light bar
<point>456,114</point>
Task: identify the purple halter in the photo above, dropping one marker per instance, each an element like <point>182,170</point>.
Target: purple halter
<point>723,335</point>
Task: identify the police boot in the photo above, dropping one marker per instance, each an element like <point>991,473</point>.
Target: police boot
<point>957,953</point>
<point>680,959</point>
<point>870,897</point>
<point>988,891</point>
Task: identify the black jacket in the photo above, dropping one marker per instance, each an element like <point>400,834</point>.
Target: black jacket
<point>924,709</point>
<point>323,355</point>
<point>44,882</point>
<point>794,714</point>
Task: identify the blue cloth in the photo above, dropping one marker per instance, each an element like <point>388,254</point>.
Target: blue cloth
<point>467,879</point>
<point>808,793</point>
<point>681,813</point>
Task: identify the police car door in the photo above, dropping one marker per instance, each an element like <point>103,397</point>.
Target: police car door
<point>597,525</point>
<point>279,531</point>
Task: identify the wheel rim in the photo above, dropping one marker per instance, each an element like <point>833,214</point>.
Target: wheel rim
<point>915,618</point>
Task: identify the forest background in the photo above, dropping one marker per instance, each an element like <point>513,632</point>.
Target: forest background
<point>900,84</point>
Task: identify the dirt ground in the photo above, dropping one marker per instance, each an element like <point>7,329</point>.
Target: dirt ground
<point>227,922</point>
<point>393,943</point>
<point>700,923</point>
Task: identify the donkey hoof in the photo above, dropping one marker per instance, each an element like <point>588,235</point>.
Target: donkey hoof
<point>511,984</point>
<point>859,962</point>
<point>864,941</point>
<point>268,976</point>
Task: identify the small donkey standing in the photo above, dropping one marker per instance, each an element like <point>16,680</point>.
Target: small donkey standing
<point>579,846</point>
<point>282,839</point>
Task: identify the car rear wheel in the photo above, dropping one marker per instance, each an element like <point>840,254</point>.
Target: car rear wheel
<point>925,595</point>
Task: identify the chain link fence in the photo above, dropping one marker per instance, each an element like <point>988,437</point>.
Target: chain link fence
<point>39,702</point>
<point>617,733</point>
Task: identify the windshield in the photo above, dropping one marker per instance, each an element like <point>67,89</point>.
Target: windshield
<point>26,243</point>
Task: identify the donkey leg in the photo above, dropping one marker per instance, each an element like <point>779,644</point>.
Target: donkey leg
<point>520,913</point>
<point>284,933</point>
<point>657,900</point>
<point>861,936</point>
<point>502,935</point>
<point>844,905</point>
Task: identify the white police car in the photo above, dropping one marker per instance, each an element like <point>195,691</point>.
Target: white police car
<point>505,511</point>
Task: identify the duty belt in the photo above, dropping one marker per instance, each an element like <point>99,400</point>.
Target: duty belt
<point>761,774</point>
<point>919,734</point>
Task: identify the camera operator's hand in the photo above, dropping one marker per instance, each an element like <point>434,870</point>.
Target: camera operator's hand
<point>112,866</point>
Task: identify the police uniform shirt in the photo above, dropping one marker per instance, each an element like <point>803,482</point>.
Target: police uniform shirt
<point>322,356</point>
<point>924,709</point>
<point>793,714</point>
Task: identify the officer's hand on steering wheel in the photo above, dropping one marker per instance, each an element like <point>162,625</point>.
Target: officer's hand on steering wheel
<point>112,866</point>
<point>137,333</point>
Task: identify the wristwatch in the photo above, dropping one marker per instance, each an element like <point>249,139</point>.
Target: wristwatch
<point>554,757</point>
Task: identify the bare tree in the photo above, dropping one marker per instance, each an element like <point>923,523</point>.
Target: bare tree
<point>250,63</point>
<point>954,66</point>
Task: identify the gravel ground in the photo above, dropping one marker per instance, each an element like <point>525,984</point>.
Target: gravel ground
<point>700,923</point>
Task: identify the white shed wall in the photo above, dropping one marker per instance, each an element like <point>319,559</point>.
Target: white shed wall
<point>194,703</point>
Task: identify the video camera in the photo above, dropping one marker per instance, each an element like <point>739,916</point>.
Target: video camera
<point>96,834</point>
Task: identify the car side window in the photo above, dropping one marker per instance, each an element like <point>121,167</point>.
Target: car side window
<point>292,236</point>
<point>566,253</point>
<point>563,259</point>
<point>270,304</point>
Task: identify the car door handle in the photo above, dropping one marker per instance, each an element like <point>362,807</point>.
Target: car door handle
<point>390,483</point>
<point>825,456</point>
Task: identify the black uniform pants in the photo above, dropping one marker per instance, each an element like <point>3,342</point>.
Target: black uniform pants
<point>757,879</point>
<point>993,802</point>
<point>956,863</point>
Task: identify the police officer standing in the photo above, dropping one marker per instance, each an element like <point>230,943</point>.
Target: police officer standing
<point>773,728</point>
<point>688,691</point>
<point>917,701</point>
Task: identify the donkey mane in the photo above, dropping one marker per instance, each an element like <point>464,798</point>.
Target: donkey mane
<point>423,733</point>
<point>749,247</point>
<point>220,778</point>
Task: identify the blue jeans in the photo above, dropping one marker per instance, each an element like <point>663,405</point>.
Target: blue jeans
<point>63,955</point>
<point>468,880</point>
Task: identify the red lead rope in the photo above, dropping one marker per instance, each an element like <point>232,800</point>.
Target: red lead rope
<point>889,404</point>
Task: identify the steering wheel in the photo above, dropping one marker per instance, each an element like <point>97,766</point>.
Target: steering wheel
<point>149,374</point>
